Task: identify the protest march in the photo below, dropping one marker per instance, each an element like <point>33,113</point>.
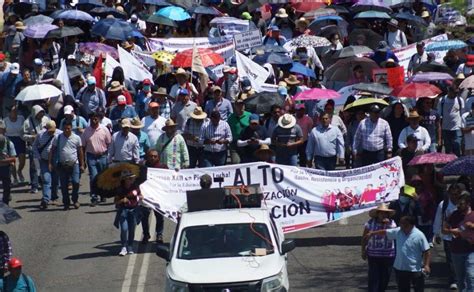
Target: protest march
<point>330,108</point>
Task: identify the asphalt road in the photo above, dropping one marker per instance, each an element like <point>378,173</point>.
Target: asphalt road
<point>77,250</point>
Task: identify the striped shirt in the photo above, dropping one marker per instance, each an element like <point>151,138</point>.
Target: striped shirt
<point>42,139</point>
<point>372,136</point>
<point>96,141</point>
<point>124,148</point>
<point>175,154</point>
<point>193,127</point>
<point>380,246</point>
<point>214,133</point>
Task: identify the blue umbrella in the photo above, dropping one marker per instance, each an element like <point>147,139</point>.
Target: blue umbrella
<point>174,13</point>
<point>38,20</point>
<point>156,2</point>
<point>206,10</point>
<point>104,11</point>
<point>410,18</point>
<point>113,29</point>
<point>327,18</point>
<point>463,165</point>
<point>446,45</point>
<point>302,69</point>
<point>75,15</point>
<point>372,14</point>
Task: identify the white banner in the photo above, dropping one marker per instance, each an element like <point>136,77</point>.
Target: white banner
<point>298,198</point>
<point>132,67</point>
<point>248,40</point>
<point>223,46</point>
<point>247,68</point>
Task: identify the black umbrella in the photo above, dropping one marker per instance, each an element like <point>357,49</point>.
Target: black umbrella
<point>269,49</point>
<point>205,10</point>
<point>365,37</point>
<point>339,9</point>
<point>63,32</point>
<point>8,214</point>
<point>104,11</point>
<point>410,18</point>
<point>72,72</point>
<point>433,67</point>
<point>352,51</point>
<point>373,87</point>
<point>22,8</point>
<point>262,102</point>
<point>108,182</point>
<point>273,58</point>
<point>86,5</point>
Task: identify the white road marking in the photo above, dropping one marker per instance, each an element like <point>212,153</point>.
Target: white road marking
<point>127,280</point>
<point>146,257</point>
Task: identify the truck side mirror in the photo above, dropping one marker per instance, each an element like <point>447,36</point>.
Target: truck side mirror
<point>287,245</point>
<point>163,251</point>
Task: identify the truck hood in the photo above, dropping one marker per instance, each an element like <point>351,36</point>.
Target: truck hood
<point>225,270</point>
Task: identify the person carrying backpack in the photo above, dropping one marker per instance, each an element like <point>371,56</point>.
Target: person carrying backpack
<point>16,281</point>
<point>450,109</point>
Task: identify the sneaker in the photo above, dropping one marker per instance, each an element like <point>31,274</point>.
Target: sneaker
<point>123,252</point>
<point>77,205</point>
<point>103,199</point>
<point>66,208</point>
<point>34,191</point>
<point>54,203</point>
<point>145,239</point>
<point>21,177</point>
<point>94,203</point>
<point>15,183</point>
<point>43,205</point>
<point>130,252</point>
<point>453,286</point>
<point>159,238</point>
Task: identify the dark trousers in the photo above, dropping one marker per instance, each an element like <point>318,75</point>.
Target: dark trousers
<point>406,279</point>
<point>34,182</point>
<point>371,157</point>
<point>380,269</point>
<point>6,183</point>
<point>325,163</point>
<point>302,154</point>
<point>452,141</point>
<point>447,251</point>
<point>215,158</point>
<point>145,214</point>
<point>196,156</point>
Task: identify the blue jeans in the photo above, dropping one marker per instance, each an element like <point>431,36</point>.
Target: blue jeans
<point>325,163</point>
<point>464,269</point>
<point>214,158</point>
<point>287,159</point>
<point>452,277</point>
<point>33,171</point>
<point>50,182</point>
<point>371,157</point>
<point>74,175</point>
<point>380,269</point>
<point>145,213</point>
<point>452,141</point>
<point>95,164</point>
<point>128,222</point>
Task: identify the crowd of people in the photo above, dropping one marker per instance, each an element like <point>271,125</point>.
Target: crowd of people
<point>174,121</point>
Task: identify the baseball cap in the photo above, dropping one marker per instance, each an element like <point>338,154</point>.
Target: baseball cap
<point>375,108</point>
<point>254,118</point>
<point>146,82</point>
<point>275,28</point>
<point>2,57</point>
<point>134,17</point>
<point>68,110</point>
<point>121,100</point>
<point>14,263</point>
<point>38,62</point>
<point>183,91</point>
<point>50,125</point>
<point>245,15</point>
<point>154,104</point>
<point>71,57</point>
<point>91,80</point>
<point>15,68</point>
<point>282,90</point>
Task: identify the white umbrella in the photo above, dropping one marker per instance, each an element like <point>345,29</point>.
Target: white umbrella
<point>38,92</point>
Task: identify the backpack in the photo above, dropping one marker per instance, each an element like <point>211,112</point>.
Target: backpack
<point>458,99</point>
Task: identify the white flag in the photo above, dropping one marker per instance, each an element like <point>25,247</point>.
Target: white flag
<point>64,78</point>
<point>110,64</point>
<point>199,68</point>
<point>132,68</point>
<point>249,69</point>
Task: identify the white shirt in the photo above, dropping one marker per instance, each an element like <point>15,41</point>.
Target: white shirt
<point>397,39</point>
<point>153,128</point>
<point>467,122</point>
<point>438,222</point>
<point>14,129</point>
<point>416,60</point>
<point>464,70</point>
<point>424,139</point>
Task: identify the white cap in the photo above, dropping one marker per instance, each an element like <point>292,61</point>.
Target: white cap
<point>134,17</point>
<point>68,110</point>
<point>91,80</point>
<point>121,100</point>
<point>15,68</point>
<point>38,62</point>
<point>71,57</point>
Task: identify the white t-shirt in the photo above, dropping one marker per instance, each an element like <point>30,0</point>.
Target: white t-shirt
<point>153,127</point>
<point>397,39</point>
<point>468,121</point>
<point>14,129</point>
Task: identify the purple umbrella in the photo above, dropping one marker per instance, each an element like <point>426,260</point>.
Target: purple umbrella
<point>430,76</point>
<point>98,49</point>
<point>75,15</point>
<point>38,31</point>
<point>462,166</point>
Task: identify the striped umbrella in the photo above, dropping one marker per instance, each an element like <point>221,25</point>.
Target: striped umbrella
<point>446,45</point>
<point>432,158</point>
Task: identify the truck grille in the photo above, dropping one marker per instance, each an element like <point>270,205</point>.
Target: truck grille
<point>227,287</point>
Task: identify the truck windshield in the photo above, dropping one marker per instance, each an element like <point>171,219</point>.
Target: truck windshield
<point>225,240</point>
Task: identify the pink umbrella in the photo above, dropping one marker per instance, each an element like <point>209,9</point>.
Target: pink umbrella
<point>316,94</point>
<point>432,158</point>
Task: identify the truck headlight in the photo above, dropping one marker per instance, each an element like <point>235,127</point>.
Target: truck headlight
<point>273,284</point>
<point>173,286</point>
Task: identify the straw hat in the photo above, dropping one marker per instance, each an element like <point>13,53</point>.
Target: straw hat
<point>414,115</point>
<point>302,22</point>
<point>136,123</point>
<point>292,80</point>
<point>161,91</point>
<point>281,13</point>
<point>287,121</point>
<point>169,123</point>
<point>393,22</point>
<point>19,25</point>
<point>181,71</point>
<point>425,14</point>
<point>198,114</point>
<point>127,45</point>
<point>381,208</point>
<point>460,76</point>
<point>264,149</point>
<point>115,86</point>
<point>126,123</point>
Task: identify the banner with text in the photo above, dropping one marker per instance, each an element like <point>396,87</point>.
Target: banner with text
<point>298,198</point>
<point>248,40</point>
<point>223,46</point>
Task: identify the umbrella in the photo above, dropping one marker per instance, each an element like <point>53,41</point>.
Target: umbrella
<point>174,13</point>
<point>328,30</point>
<point>108,182</point>
<point>306,41</point>
<point>445,45</point>
<point>163,56</point>
<point>433,67</point>
<point>75,15</point>
<point>307,5</point>
<point>463,165</point>
<point>319,12</point>
<point>467,83</point>
<point>363,6</point>
<point>8,214</point>
<point>63,32</point>
<point>113,29</point>
<point>365,103</point>
<point>352,51</point>
<point>97,49</point>
<point>208,58</point>
<point>104,11</point>
<point>206,10</point>
<point>269,49</point>
<point>273,58</point>
<point>430,76</point>
<point>72,72</point>
<point>158,19</point>
<point>326,19</point>
<point>317,94</point>
<point>342,69</point>
<point>156,2</point>
<point>38,20</point>
<point>22,8</point>
<point>302,69</point>
<point>410,18</point>
<point>415,90</point>
<point>373,87</point>
<point>339,9</point>
<point>432,158</point>
<point>262,102</point>
<point>87,5</point>
<point>372,14</point>
<point>55,13</point>
<point>38,31</point>
<point>38,92</point>
<point>365,37</point>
